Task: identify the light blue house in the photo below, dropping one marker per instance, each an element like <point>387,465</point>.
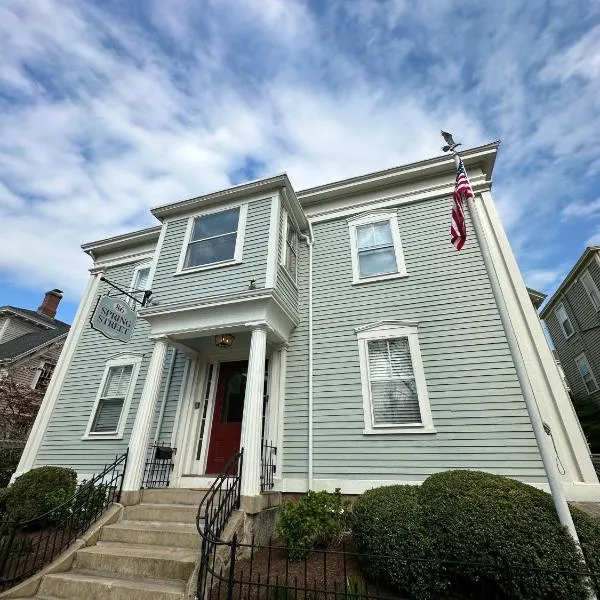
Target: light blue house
<point>337,325</point>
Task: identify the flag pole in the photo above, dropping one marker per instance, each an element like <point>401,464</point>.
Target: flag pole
<point>550,467</point>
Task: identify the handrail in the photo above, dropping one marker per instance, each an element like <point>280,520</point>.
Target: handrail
<point>29,545</point>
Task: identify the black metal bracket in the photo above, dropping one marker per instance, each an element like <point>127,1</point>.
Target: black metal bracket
<point>143,301</point>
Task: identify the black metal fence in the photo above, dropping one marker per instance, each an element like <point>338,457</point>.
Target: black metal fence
<point>217,506</point>
<point>158,467</point>
<point>268,465</point>
<point>264,572</point>
<point>28,546</point>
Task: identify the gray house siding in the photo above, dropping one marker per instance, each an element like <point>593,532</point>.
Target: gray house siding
<point>586,323</point>
<point>62,444</point>
<point>168,287</point>
<point>476,402</point>
<point>287,288</point>
<point>16,328</point>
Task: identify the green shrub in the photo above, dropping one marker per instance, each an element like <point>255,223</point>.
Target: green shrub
<point>469,517</point>
<point>9,459</point>
<point>87,505</point>
<point>316,520</point>
<point>38,491</point>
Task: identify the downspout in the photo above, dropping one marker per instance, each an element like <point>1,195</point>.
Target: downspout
<point>309,239</point>
<point>163,402</point>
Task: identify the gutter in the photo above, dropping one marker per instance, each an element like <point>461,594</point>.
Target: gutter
<point>309,239</point>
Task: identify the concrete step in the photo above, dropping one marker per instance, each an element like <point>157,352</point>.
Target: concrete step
<point>166,513</point>
<point>91,585</point>
<point>143,560</point>
<point>180,535</point>
<point>173,496</point>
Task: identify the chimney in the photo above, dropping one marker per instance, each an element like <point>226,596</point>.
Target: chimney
<point>50,303</point>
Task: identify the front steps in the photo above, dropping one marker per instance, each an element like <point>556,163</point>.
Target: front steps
<point>149,554</point>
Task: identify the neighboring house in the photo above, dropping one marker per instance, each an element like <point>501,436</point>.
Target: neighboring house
<point>338,324</point>
<point>31,341</point>
<point>573,320</point>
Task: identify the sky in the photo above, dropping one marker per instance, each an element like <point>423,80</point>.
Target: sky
<point>109,108</point>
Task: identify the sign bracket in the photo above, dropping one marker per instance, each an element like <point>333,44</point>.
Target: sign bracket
<point>142,302</point>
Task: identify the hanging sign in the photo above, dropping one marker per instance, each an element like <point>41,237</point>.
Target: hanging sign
<point>114,318</point>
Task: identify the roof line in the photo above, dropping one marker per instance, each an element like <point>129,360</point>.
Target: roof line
<point>31,350</point>
<point>27,317</point>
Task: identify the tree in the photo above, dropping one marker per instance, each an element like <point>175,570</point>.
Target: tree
<point>19,405</point>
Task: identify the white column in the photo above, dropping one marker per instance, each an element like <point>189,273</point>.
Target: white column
<point>253,404</point>
<point>140,435</point>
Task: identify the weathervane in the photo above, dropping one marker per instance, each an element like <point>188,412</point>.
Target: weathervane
<point>451,145</point>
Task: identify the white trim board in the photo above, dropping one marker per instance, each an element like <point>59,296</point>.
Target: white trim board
<point>271,273</point>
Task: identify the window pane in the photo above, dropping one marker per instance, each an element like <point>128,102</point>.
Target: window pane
<point>374,234</point>
<point>107,416</point>
<point>567,327</point>
<point>117,382</point>
<point>290,262</point>
<point>211,251</point>
<point>218,223</point>
<point>141,279</point>
<point>377,262</point>
<point>401,360</point>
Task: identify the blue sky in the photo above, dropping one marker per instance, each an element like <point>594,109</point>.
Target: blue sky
<point>110,108</point>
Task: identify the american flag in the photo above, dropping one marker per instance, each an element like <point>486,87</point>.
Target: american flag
<point>462,192</point>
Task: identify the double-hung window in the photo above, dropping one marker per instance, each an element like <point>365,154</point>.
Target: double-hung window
<point>586,373</point>
<point>591,289</point>
<point>291,250</point>
<point>139,283</point>
<point>564,321</point>
<point>395,398</point>
<point>215,239</point>
<point>113,398</point>
<point>376,247</point>
<point>44,376</point>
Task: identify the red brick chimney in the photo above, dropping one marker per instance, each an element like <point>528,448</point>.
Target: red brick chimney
<point>50,303</point>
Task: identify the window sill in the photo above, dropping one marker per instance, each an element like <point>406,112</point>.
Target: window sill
<point>379,278</point>
<point>219,265</point>
<point>99,436</point>
<point>403,430</point>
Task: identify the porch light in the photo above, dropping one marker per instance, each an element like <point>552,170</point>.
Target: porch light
<point>224,340</point>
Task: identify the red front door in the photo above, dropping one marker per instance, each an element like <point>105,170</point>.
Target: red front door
<point>226,428</point>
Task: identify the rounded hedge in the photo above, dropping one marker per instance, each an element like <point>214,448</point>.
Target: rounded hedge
<point>503,528</point>
<point>38,491</point>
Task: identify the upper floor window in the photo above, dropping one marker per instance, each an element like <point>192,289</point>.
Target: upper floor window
<point>291,250</point>
<point>564,321</point>
<point>586,373</point>
<point>113,398</point>
<point>376,247</point>
<point>214,238</point>
<point>591,289</point>
<point>44,377</point>
<point>394,390</point>
<point>140,277</point>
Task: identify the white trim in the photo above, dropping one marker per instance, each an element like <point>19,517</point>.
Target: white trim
<point>63,364</point>
<point>580,356</point>
<point>592,284</point>
<point>391,216</point>
<point>139,267</point>
<point>4,328</point>
<point>390,330</point>
<point>239,239</point>
<point>119,261</point>
<point>560,306</point>
<point>156,256</point>
<point>284,224</point>
<point>128,359</point>
<point>198,466</point>
<point>38,372</point>
<point>271,273</point>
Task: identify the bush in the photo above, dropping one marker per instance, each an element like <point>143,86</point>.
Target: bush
<point>506,527</point>
<point>316,520</point>
<point>87,505</point>
<point>9,460</point>
<point>38,491</point>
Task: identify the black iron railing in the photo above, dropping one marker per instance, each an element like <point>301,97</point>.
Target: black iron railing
<point>28,546</point>
<point>268,465</point>
<point>217,506</point>
<point>264,572</point>
<point>158,468</point>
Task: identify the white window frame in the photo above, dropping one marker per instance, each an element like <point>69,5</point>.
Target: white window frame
<point>589,287</point>
<point>560,321</point>
<point>584,357</point>
<point>239,240</point>
<point>144,265</point>
<point>377,217</point>
<point>286,222</point>
<point>120,361</point>
<point>388,330</point>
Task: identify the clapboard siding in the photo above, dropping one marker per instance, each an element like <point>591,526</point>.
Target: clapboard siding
<point>477,406</point>
<point>16,328</point>
<point>62,443</point>
<point>168,287</point>
<point>287,288</point>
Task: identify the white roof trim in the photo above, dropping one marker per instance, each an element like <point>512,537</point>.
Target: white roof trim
<point>387,323</point>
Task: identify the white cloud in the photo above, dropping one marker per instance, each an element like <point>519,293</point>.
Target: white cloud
<point>581,209</point>
<point>543,280</point>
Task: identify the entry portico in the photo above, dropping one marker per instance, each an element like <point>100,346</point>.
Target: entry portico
<point>223,384</point>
